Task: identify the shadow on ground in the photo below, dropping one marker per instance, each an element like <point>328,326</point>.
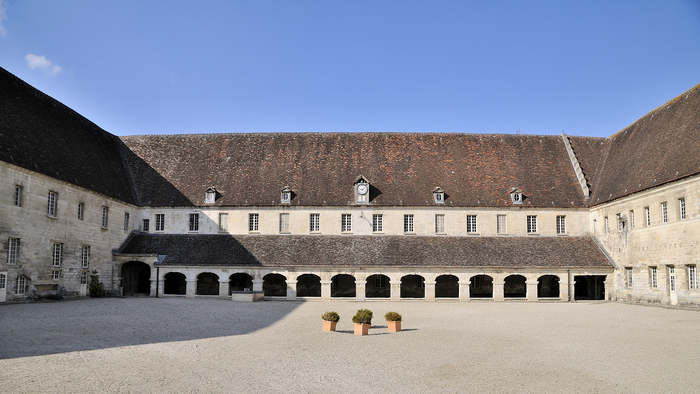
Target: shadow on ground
<point>36,329</point>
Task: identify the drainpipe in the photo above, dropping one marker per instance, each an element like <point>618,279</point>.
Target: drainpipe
<point>568,274</point>
<point>157,280</point>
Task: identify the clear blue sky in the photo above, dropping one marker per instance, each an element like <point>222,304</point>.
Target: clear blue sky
<point>534,67</point>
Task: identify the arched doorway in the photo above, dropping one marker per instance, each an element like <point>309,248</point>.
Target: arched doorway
<point>343,285</point>
<point>207,284</point>
<point>308,285</point>
<point>377,286</point>
<point>447,286</point>
<point>174,283</point>
<point>548,286</point>
<point>514,287</point>
<point>275,285</point>
<point>412,286</point>
<point>136,279</point>
<point>481,286</point>
<point>240,282</point>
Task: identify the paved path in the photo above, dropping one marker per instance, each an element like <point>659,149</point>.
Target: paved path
<point>212,345</point>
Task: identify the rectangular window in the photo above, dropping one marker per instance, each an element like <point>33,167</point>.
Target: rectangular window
<point>315,222</point>
<point>51,210</point>
<point>56,274</point>
<point>145,225</point>
<point>57,254</point>
<point>284,222</point>
<point>346,223</point>
<point>620,223</point>
<point>126,221</point>
<point>664,212</point>
<point>194,222</point>
<point>85,257</point>
<point>377,223</point>
<point>223,222</point>
<point>531,224</point>
<point>3,280</point>
<point>18,196</point>
<point>595,227</point>
<point>692,277</point>
<point>561,224</point>
<point>471,223</point>
<point>253,221</point>
<point>160,222</point>
<point>648,216</point>
<point>631,220</point>
<point>105,216</point>
<point>672,278</point>
<point>439,224</point>
<point>21,285</point>
<point>81,210</point>
<point>408,223</point>
<point>628,277</point>
<point>681,208</point>
<point>606,225</point>
<point>653,277</point>
<point>84,278</point>
<point>501,224</point>
<point>12,250</point>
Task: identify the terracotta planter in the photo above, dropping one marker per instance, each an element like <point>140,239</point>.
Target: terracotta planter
<point>394,326</point>
<point>329,325</point>
<point>362,328</point>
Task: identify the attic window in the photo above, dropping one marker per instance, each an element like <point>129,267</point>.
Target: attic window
<point>516,196</point>
<point>361,190</point>
<point>286,195</point>
<point>210,196</point>
<point>439,195</point>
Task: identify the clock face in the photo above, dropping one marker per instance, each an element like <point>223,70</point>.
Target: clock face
<point>362,189</point>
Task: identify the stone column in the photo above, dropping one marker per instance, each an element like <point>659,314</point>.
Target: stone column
<point>258,284</point>
<point>564,289</point>
<point>360,289</point>
<point>464,291</point>
<point>191,289</point>
<point>498,290</point>
<point>395,290</point>
<point>223,288</point>
<point>429,290</point>
<point>572,286</point>
<point>531,290</point>
<point>326,289</point>
<point>291,290</point>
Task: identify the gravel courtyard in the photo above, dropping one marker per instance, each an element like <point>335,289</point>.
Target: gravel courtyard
<point>214,345</point>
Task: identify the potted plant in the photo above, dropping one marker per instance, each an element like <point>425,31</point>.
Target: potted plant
<point>362,320</point>
<point>393,321</point>
<point>330,319</point>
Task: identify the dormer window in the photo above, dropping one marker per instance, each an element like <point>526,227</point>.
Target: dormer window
<point>210,196</point>
<point>361,190</point>
<point>286,195</point>
<point>439,195</point>
<point>516,196</point>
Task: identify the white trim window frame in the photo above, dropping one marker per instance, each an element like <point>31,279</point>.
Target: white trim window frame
<point>631,220</point>
<point>501,224</point>
<point>346,223</point>
<point>606,225</point>
<point>531,224</point>
<point>223,222</point>
<point>105,216</point>
<point>561,224</point>
<point>647,214</point>
<point>55,274</point>
<point>83,277</point>
<point>654,277</point>
<point>145,225</point>
<point>12,251</point>
<point>126,221</point>
<point>314,222</point>
<point>21,285</point>
<point>672,278</point>
<point>160,222</point>
<point>664,212</point>
<point>81,211</point>
<point>377,223</point>
<point>51,210</point>
<point>629,277</point>
<point>253,222</point>
<point>439,223</point>
<point>408,223</point>
<point>194,222</point>
<point>284,223</point>
<point>692,277</point>
<point>681,208</point>
<point>18,195</point>
<point>85,257</point>
<point>57,254</point>
<point>471,224</point>
<point>3,281</point>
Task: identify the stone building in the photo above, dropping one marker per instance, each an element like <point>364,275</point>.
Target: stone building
<point>348,215</point>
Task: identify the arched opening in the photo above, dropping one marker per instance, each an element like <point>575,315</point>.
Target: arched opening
<point>446,286</point>
<point>174,283</point>
<point>240,282</point>
<point>343,285</point>
<point>481,286</point>
<point>548,286</point>
<point>589,287</point>
<point>412,286</point>
<point>514,287</point>
<point>377,286</point>
<point>308,285</point>
<point>136,278</point>
<point>207,284</point>
<point>275,285</point>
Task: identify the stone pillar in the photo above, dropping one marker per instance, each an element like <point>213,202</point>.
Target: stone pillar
<point>395,290</point>
<point>498,290</point>
<point>464,290</point>
<point>531,290</point>
<point>258,284</point>
<point>326,289</point>
<point>564,289</point>
<point>223,288</point>
<point>429,290</point>
<point>572,287</point>
<point>191,289</point>
<point>291,290</point>
<point>360,289</point>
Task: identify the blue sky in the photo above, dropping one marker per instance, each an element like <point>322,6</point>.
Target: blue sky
<point>533,67</point>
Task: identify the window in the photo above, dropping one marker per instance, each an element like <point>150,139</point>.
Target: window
<point>631,220</point>
<point>3,280</point>
<point>253,221</point>
<point>81,210</point>
<point>692,277</point>
<point>346,223</point>
<point>664,212</point>
<point>628,277</point>
<point>471,223</point>
<point>620,223</point>
<point>408,223</point>
<point>56,274</point>
<point>210,196</point>
<point>126,221</point>
<point>160,222</point>
<point>377,223</point>
<point>286,195</point>
<point>681,208</point>
<point>653,277</point>
<point>672,278</point>
<point>606,225</point>
<point>105,216</point>
<point>145,225</point>
<point>439,196</point>
<point>531,224</point>
<point>223,222</point>
<point>85,257</point>
<point>315,222</point>
<point>439,224</point>
<point>194,222</point>
<point>18,196</point>
<point>12,250</point>
<point>284,222</point>
<point>21,285</point>
<point>501,224</point>
<point>561,224</point>
<point>648,216</point>
<point>84,278</point>
<point>51,210</point>
<point>57,254</point>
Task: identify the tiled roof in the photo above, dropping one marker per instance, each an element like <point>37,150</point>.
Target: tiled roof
<point>40,134</point>
<point>369,251</point>
<point>320,168</point>
<point>589,152</point>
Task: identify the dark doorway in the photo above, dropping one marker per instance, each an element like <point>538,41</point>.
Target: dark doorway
<point>412,286</point>
<point>378,286</point>
<point>343,285</point>
<point>275,285</point>
<point>207,284</point>
<point>447,286</point>
<point>514,287</point>
<point>589,287</point>
<point>136,279</point>
<point>174,283</point>
<point>481,286</point>
<point>308,285</point>
<point>240,282</point>
<point>548,286</point>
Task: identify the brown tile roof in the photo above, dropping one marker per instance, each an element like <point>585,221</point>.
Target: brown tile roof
<point>658,148</point>
<point>320,168</point>
<point>370,251</point>
<point>589,152</point>
<point>40,134</point>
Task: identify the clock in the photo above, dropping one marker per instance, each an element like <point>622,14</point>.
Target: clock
<point>362,189</point>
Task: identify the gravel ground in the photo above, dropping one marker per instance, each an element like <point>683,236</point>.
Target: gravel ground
<point>213,345</point>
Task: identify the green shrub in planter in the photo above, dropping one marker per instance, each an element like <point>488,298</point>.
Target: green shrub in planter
<point>96,289</point>
<point>363,316</point>
<point>331,316</point>
<point>392,316</point>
